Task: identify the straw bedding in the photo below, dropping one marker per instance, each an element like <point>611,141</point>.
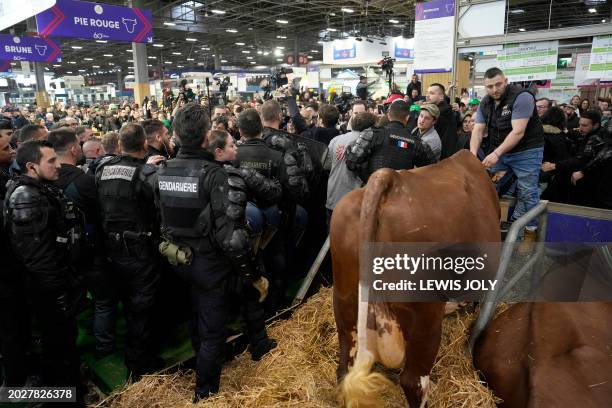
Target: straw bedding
<point>300,372</point>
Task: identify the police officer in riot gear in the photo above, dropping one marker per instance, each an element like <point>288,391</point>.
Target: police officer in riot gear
<point>129,222</point>
<point>13,319</point>
<point>202,206</point>
<point>391,146</point>
<point>42,229</point>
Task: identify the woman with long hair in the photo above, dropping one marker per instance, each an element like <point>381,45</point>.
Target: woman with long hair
<point>585,105</point>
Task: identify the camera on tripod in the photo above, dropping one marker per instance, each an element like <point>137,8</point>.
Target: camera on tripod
<point>279,78</point>
<point>386,64</point>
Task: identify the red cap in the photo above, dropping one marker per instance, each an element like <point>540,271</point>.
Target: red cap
<point>393,97</point>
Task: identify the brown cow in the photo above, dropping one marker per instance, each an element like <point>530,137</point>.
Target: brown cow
<point>452,201</point>
<point>549,355</point>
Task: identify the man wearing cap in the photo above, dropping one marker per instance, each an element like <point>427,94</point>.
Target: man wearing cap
<point>391,146</point>
<point>509,115</point>
<point>428,115</point>
<point>571,118</point>
<point>362,87</point>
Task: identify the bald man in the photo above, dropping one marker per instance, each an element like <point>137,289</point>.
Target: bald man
<point>92,149</point>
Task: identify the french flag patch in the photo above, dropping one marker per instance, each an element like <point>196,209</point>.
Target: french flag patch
<point>402,144</point>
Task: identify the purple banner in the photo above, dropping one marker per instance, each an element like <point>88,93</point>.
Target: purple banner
<point>428,10</point>
<point>35,49</point>
<point>5,66</point>
<point>91,21</point>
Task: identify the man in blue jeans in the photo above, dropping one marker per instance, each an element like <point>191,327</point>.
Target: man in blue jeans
<point>509,117</point>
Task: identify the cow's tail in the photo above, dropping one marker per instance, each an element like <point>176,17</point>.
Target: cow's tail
<point>361,387</point>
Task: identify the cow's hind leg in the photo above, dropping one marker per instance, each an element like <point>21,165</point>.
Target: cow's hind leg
<point>414,379</point>
<point>347,352</point>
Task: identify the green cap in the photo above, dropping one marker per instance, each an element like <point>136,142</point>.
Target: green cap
<point>415,108</point>
<point>474,101</point>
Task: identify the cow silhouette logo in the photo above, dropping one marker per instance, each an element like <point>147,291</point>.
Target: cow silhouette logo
<point>98,9</point>
<point>42,49</point>
<point>129,23</point>
<point>16,40</point>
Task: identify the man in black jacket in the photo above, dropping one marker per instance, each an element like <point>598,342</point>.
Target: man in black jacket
<point>41,228</point>
<point>414,84</point>
<point>202,205</point>
<point>158,139</point>
<point>129,222</point>
<point>446,125</point>
<point>324,131</point>
<point>392,146</point>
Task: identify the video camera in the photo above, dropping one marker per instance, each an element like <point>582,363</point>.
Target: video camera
<point>386,64</point>
<point>344,101</point>
<point>223,84</point>
<point>279,78</point>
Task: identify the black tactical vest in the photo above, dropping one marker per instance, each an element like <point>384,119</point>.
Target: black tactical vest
<point>256,155</point>
<point>498,120</point>
<point>118,181</point>
<point>391,149</point>
<point>183,203</point>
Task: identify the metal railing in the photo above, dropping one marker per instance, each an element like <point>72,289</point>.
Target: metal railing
<point>491,299</point>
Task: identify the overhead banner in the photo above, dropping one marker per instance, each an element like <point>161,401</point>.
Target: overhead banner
<point>582,70</point>
<point>28,49</point>
<point>600,65</point>
<point>529,61</point>
<point>15,11</point>
<point>564,79</point>
<point>5,66</point>
<point>433,36</point>
<point>91,21</point>
<point>402,49</point>
<point>352,52</point>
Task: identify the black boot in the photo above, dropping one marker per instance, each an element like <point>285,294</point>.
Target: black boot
<point>261,348</point>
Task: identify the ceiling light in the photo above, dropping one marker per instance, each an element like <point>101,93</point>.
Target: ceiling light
<point>72,62</point>
<point>249,57</point>
<point>111,63</point>
<point>180,66</point>
<point>206,48</point>
<point>315,51</point>
<point>81,70</point>
<point>128,50</point>
<point>214,11</point>
<point>517,11</point>
<point>101,41</point>
<point>332,14</point>
<point>280,48</point>
<point>167,62</point>
<point>191,39</point>
<point>592,10</point>
<point>69,72</point>
<point>87,59</point>
<point>57,65</point>
<point>246,52</point>
<point>347,10</point>
<point>278,53</point>
<point>167,23</point>
<point>279,59</point>
<point>397,25</point>
<point>259,52</point>
<point>190,59</point>
<point>603,21</point>
<point>46,68</point>
<point>239,43</point>
<point>320,42</point>
<point>149,65</point>
<point>331,29</point>
<point>393,21</point>
<point>266,53</point>
<point>282,21</point>
<point>176,53</point>
<point>158,45</point>
<point>253,62</point>
<point>282,37</point>
<point>223,60</point>
<point>522,29</point>
<point>76,47</point>
<point>95,66</point>
<point>309,56</point>
<point>130,60</point>
<point>152,57</point>
<point>231,30</point>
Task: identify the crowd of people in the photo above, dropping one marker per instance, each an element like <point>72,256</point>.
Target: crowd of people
<point>226,205</point>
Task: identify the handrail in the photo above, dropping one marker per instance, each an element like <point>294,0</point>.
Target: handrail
<point>491,298</point>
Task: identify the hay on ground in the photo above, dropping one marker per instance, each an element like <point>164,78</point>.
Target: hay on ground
<point>300,372</point>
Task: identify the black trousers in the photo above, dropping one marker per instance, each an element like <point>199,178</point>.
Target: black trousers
<point>60,359</point>
<point>14,335</point>
<point>137,279</point>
